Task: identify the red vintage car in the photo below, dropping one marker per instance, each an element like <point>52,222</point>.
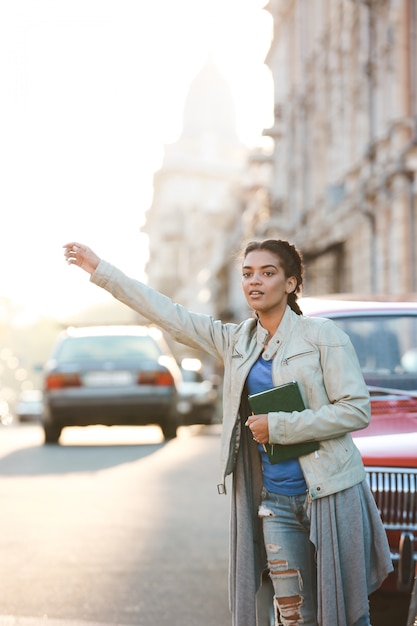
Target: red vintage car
<point>384,334</point>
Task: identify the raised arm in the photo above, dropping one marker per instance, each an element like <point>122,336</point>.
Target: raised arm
<point>193,329</point>
<point>84,257</point>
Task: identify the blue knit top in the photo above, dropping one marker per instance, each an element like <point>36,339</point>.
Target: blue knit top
<point>285,478</point>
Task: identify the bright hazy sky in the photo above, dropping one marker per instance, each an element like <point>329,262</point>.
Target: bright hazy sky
<point>91,90</point>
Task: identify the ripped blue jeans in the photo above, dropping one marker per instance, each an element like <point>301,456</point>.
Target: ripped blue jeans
<point>291,560</point>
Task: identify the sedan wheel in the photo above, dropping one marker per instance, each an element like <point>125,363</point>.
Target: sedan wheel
<point>52,433</point>
<point>169,428</point>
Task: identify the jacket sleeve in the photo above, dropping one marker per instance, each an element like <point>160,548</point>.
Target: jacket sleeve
<point>193,329</point>
<point>336,394</point>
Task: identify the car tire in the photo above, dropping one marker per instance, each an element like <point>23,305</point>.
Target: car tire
<point>52,433</point>
<point>169,428</point>
<point>412,611</point>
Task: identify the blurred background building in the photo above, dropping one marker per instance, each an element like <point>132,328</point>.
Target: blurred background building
<point>336,173</point>
<point>343,180</point>
<point>196,209</point>
<point>339,179</point>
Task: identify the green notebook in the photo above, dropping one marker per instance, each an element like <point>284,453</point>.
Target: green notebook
<point>287,398</point>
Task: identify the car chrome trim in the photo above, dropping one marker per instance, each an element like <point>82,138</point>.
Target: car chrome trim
<point>395,493</point>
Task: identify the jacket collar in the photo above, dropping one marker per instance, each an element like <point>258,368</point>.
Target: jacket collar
<point>284,329</point>
<point>252,332</point>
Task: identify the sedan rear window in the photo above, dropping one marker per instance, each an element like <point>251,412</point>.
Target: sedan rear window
<point>107,348</point>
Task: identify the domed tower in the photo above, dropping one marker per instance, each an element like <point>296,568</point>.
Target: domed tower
<point>196,195</point>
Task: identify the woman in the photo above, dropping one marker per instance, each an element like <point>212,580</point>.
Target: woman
<point>312,521</point>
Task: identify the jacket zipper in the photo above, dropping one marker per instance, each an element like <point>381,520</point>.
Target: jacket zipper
<point>295,356</point>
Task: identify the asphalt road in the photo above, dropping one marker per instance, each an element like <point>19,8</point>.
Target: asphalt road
<point>116,527</point>
<point>112,527</point>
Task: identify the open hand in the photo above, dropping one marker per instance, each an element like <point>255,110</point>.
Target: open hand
<point>84,257</point>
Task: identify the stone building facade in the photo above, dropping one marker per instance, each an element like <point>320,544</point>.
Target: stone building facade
<point>340,179</point>
<point>343,172</point>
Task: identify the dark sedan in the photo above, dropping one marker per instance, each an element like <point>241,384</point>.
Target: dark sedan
<point>110,375</point>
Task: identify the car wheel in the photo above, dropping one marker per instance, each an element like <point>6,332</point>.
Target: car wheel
<point>212,418</point>
<point>52,433</point>
<point>412,611</point>
<point>169,428</point>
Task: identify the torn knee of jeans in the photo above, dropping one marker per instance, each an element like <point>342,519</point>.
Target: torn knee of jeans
<point>289,608</point>
<point>263,511</point>
<point>277,566</point>
<point>279,569</point>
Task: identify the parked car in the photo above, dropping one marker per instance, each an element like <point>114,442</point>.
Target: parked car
<point>197,395</point>
<point>110,375</point>
<point>29,405</point>
<point>384,335</point>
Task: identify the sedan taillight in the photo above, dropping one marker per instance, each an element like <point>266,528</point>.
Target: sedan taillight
<point>60,381</point>
<point>158,378</point>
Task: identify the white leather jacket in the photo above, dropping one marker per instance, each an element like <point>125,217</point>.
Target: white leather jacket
<point>313,351</point>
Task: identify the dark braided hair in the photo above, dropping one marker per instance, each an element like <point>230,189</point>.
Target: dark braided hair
<point>291,262</point>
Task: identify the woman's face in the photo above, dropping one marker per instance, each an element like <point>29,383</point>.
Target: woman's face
<point>264,283</point>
